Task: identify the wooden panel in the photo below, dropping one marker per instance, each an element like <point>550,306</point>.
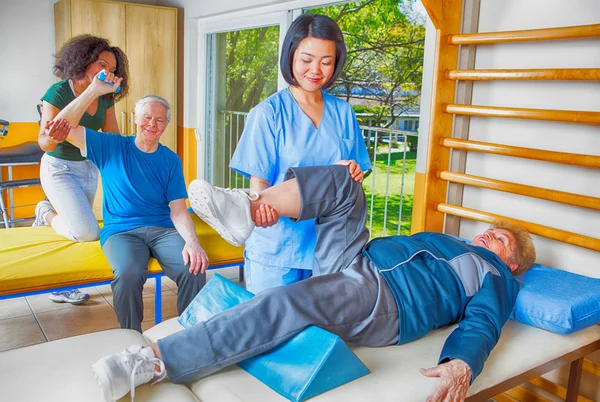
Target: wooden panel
<point>591,367</point>
<point>105,20</point>
<point>534,228</point>
<point>523,394</point>
<point>557,74</point>
<point>554,389</point>
<point>530,191</point>
<point>520,152</point>
<point>62,22</point>
<point>446,57</point>
<point>152,53</point>
<point>434,10</point>
<point>504,398</point>
<point>575,32</point>
<point>99,18</point>
<point>571,116</point>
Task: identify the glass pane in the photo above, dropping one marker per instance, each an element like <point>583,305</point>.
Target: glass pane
<point>245,73</point>
<point>381,79</point>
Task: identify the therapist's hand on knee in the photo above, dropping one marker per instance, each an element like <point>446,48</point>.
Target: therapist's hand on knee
<point>354,168</point>
<point>195,256</point>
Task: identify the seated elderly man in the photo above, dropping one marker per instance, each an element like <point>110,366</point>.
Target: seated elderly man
<point>390,291</point>
<point>144,206</point>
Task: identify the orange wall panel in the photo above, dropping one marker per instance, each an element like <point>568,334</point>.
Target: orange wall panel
<point>18,133</point>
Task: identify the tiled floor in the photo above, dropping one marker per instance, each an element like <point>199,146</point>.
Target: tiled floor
<point>35,319</point>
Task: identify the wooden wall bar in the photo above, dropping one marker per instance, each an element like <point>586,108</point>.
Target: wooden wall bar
<point>534,228</point>
<point>520,152</point>
<point>570,116</point>
<point>521,189</point>
<point>557,74</point>
<point>576,32</point>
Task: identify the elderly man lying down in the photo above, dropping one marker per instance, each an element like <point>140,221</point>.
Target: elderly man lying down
<point>388,291</point>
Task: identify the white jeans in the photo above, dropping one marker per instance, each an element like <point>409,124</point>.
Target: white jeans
<point>71,187</point>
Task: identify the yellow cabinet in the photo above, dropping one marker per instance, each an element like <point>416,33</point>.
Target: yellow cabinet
<point>147,35</point>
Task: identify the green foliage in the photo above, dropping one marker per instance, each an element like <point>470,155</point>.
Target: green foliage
<point>385,54</point>
<point>251,66</point>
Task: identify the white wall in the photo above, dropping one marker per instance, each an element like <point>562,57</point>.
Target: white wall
<point>565,137</point>
<point>26,49</point>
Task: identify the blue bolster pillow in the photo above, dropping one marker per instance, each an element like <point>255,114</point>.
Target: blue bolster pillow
<point>557,300</point>
<point>312,362</point>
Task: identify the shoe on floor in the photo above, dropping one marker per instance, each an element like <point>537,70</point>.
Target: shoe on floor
<point>225,210</point>
<point>41,210</point>
<point>73,296</point>
<point>122,373</point>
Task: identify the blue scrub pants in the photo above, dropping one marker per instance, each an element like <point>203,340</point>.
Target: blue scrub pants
<point>259,276</point>
<point>348,297</point>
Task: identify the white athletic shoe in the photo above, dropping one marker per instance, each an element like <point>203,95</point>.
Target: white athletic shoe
<point>226,210</point>
<point>122,373</point>
<point>41,210</point>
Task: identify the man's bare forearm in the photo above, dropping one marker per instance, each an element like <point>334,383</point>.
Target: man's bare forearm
<point>75,110</point>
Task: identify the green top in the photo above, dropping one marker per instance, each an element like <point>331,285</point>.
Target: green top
<point>60,95</point>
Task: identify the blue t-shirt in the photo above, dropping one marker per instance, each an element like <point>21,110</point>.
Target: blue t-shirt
<point>278,135</point>
<point>138,186</point>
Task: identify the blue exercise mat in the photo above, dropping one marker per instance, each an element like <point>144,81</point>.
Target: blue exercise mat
<point>312,362</point>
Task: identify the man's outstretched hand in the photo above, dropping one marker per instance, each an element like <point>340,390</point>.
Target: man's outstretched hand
<point>455,377</point>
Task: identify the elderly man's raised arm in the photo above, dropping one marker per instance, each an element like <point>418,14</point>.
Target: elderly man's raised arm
<point>69,116</point>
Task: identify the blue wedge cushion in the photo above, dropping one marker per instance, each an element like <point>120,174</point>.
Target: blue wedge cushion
<point>312,362</point>
<point>557,300</point>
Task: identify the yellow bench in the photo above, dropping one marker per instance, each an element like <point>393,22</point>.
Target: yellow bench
<point>37,260</point>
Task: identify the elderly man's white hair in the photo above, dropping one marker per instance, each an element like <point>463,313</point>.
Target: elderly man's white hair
<point>152,98</point>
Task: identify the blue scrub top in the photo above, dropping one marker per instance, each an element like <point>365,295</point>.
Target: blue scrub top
<point>277,136</point>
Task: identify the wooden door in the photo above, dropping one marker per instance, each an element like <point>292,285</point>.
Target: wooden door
<point>152,53</point>
<point>105,20</point>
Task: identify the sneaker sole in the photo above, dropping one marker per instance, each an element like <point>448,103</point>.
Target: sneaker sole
<point>60,299</point>
<point>206,210</point>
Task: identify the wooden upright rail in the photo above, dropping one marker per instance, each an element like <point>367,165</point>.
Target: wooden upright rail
<point>554,74</point>
<point>546,231</point>
<point>575,32</point>
<point>571,116</point>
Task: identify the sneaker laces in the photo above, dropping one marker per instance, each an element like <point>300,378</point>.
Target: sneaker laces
<point>140,364</point>
<point>252,195</point>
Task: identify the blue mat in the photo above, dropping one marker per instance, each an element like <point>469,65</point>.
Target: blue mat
<point>312,362</point>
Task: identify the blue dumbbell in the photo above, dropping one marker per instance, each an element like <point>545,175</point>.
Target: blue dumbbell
<point>102,77</point>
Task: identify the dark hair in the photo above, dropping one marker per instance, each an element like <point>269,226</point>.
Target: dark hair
<point>81,51</point>
<point>314,26</point>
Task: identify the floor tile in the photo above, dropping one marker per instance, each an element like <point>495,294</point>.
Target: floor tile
<point>16,307</point>
<point>169,306</point>
<point>68,322</point>
<point>41,303</point>
<point>20,331</point>
<point>150,286</point>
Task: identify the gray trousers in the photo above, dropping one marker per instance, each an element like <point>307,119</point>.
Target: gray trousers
<point>347,296</point>
<point>128,254</point>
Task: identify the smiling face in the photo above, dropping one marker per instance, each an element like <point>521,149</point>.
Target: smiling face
<point>106,61</point>
<point>314,63</point>
<point>499,241</point>
<point>151,122</point>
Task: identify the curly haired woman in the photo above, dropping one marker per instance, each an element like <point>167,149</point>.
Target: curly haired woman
<point>68,179</point>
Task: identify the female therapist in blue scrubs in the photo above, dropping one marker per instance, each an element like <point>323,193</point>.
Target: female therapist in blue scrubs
<point>297,126</point>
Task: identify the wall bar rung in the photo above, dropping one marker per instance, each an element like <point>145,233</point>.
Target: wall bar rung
<point>570,116</point>
<point>555,74</point>
<point>534,228</point>
<point>521,189</point>
<point>519,152</point>
<point>574,32</point>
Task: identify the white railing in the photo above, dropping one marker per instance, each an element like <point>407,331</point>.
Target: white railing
<point>385,194</point>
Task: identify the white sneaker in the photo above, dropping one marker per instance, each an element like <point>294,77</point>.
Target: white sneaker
<point>226,210</point>
<point>122,373</point>
<point>41,210</point>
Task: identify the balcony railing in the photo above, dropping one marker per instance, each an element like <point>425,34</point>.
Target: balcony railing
<point>389,187</point>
